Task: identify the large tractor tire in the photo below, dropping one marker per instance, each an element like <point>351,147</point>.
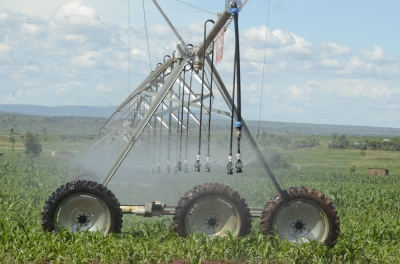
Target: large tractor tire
<point>213,209</point>
<point>82,206</point>
<point>301,214</point>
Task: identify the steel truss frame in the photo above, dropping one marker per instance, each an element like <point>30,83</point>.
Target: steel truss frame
<point>128,122</point>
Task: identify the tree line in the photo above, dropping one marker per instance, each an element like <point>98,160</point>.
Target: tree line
<point>342,142</point>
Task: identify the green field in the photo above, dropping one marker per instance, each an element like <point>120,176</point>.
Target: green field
<point>367,204</point>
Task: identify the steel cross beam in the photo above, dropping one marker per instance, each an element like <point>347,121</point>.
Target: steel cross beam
<point>139,89</point>
<point>147,117</point>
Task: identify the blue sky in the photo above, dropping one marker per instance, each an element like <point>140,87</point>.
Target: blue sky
<point>333,62</point>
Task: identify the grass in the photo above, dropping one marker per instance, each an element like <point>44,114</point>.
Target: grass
<point>367,206</point>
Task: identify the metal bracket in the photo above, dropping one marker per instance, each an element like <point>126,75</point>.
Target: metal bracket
<point>228,5</point>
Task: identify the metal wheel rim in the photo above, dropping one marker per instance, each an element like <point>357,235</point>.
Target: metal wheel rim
<point>83,212</point>
<point>301,221</point>
<point>214,216</point>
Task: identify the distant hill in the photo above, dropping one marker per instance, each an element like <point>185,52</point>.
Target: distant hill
<point>82,115</point>
<point>84,111</point>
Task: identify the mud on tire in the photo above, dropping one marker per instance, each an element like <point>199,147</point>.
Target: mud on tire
<point>301,213</point>
<point>214,209</point>
<point>82,205</point>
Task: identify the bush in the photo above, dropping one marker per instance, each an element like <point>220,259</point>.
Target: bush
<point>32,145</point>
<point>276,161</point>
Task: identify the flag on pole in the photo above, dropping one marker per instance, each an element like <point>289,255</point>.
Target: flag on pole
<point>220,46</point>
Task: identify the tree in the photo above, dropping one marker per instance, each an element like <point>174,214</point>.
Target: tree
<point>339,142</point>
<point>11,139</point>
<point>32,145</point>
<point>45,136</point>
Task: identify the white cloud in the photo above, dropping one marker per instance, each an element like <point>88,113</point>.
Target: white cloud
<point>32,30</point>
<point>4,48</point>
<point>61,89</point>
<point>304,91</point>
<point>359,88</point>
<point>377,55</point>
<point>331,64</point>
<point>102,88</point>
<point>88,59</point>
<point>286,51</point>
<point>331,49</point>
<point>84,60</point>
<point>76,12</point>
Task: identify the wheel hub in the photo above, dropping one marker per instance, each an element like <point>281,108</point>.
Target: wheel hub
<point>212,221</point>
<point>82,218</point>
<point>299,225</point>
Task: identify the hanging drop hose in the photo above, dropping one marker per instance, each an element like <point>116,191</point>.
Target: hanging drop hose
<point>185,166</point>
<point>154,144</point>
<point>161,126</point>
<point>235,12</point>
<point>159,153</point>
<point>197,164</point>
<point>208,163</point>
<point>158,170</point>
<point>168,168</point>
<point>153,170</point>
<point>179,164</point>
<point>230,166</point>
<point>147,149</point>
<point>154,137</point>
<point>139,109</point>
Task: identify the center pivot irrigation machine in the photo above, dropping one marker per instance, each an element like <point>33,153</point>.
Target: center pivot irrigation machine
<point>176,99</point>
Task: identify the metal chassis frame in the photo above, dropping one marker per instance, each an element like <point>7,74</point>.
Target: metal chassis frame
<point>149,209</point>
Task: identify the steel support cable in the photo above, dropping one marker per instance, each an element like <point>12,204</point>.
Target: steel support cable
<point>262,79</point>
<point>197,7</point>
<point>129,53</point>
<point>147,38</point>
<point>197,164</point>
<point>185,166</point>
<point>208,163</point>
<point>239,163</point>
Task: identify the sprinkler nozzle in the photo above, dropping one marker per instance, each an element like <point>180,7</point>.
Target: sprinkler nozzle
<point>179,165</point>
<point>185,167</point>
<point>197,164</point>
<point>168,168</point>
<point>239,166</point>
<point>208,165</point>
<point>229,166</point>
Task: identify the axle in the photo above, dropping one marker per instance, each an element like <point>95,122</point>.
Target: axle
<point>159,208</point>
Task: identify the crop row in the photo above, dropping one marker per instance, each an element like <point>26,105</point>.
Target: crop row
<point>368,209</point>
